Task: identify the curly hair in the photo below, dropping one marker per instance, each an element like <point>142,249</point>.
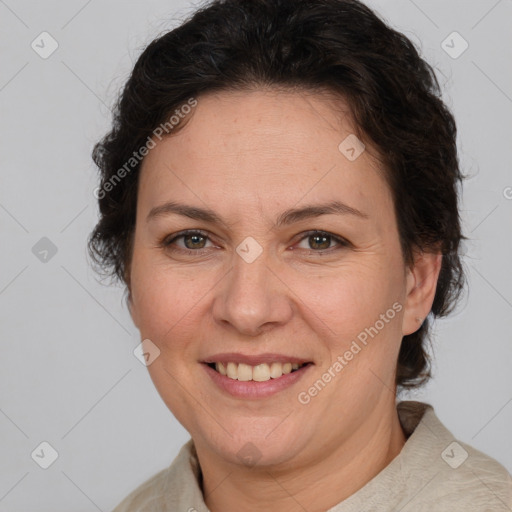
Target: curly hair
<point>337,45</point>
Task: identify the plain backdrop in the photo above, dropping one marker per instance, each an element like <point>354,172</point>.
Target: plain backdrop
<point>68,375</point>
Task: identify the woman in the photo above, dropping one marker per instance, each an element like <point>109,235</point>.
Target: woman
<point>279,194</point>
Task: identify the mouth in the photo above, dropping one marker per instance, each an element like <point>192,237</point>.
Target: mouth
<point>248,377</point>
<point>257,373</point>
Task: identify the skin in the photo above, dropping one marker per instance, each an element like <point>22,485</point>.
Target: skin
<point>249,156</point>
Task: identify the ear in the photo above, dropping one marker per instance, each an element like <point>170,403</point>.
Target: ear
<point>129,297</point>
<point>421,284</point>
<point>131,308</point>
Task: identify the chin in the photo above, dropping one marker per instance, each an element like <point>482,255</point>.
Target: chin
<point>264,442</point>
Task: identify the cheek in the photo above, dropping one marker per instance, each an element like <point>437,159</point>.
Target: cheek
<point>351,299</point>
<point>171,311</point>
<point>360,313</point>
<point>168,305</point>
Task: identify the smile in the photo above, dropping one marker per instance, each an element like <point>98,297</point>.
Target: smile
<point>258,373</point>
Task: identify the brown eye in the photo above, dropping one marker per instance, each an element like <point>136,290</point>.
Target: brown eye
<point>192,241</point>
<point>320,241</point>
<point>195,241</point>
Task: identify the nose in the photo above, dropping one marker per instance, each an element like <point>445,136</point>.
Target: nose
<point>252,298</point>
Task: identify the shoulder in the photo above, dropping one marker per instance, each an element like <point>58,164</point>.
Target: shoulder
<point>474,479</point>
<point>147,496</point>
<point>169,489</point>
<point>457,476</point>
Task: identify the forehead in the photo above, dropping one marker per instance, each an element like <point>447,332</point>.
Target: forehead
<point>264,123</point>
<point>264,146</point>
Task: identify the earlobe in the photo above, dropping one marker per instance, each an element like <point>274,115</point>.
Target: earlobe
<point>421,284</point>
<point>132,309</point>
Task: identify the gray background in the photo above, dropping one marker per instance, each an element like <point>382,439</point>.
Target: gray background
<point>68,374</point>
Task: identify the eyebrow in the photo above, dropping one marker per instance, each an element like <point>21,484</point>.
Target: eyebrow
<point>287,217</point>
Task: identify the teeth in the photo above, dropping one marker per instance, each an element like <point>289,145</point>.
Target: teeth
<point>259,373</point>
<point>276,370</point>
<point>244,372</point>
<point>232,371</point>
<point>221,368</point>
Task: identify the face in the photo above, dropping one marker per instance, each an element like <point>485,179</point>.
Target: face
<point>264,277</point>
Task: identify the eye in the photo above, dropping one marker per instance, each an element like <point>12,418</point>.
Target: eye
<point>193,241</point>
<point>320,241</point>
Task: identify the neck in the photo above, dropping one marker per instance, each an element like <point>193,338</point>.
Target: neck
<point>331,477</point>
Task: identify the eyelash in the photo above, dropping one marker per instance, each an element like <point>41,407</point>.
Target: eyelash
<point>168,240</point>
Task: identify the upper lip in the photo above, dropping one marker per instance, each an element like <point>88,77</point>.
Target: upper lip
<point>253,360</point>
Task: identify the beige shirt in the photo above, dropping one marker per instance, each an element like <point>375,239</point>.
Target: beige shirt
<point>432,473</point>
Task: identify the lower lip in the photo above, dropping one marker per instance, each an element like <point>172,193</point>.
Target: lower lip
<point>252,389</point>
